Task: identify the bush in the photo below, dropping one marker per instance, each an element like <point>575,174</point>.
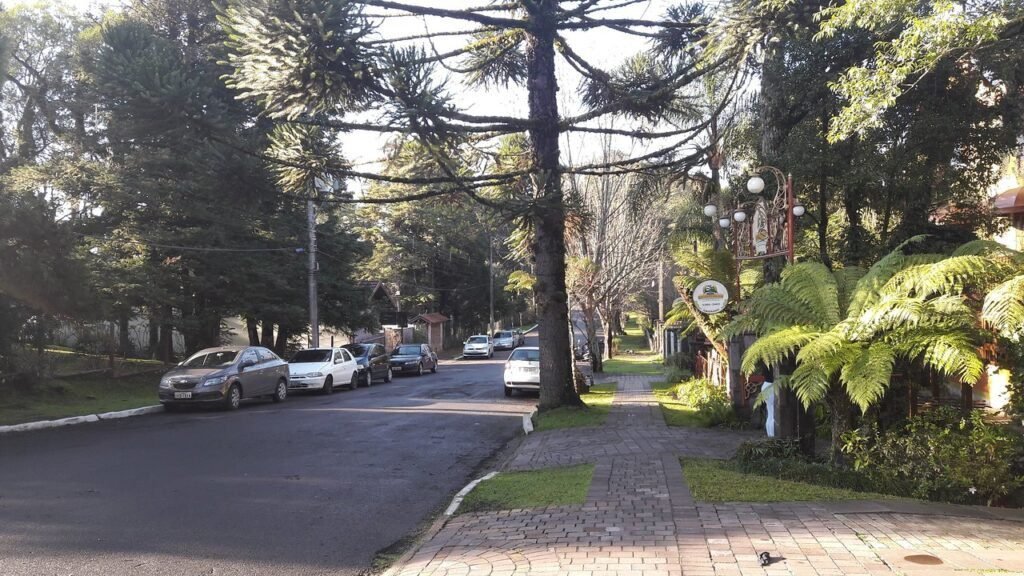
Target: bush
<point>680,360</point>
<point>709,400</point>
<point>674,374</point>
<point>939,455</point>
<point>754,450</point>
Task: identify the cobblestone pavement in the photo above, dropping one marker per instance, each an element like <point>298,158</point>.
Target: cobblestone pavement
<point>639,518</point>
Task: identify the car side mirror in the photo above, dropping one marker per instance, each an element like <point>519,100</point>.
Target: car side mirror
<point>245,364</point>
<point>338,360</point>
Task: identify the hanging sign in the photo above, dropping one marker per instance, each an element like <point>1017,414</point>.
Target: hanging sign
<point>710,297</point>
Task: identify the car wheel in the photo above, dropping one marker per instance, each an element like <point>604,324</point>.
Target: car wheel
<point>369,377</point>
<point>281,392</point>
<point>354,382</point>
<point>328,385</point>
<point>387,377</point>
<point>508,391</point>
<point>420,371</point>
<point>233,399</point>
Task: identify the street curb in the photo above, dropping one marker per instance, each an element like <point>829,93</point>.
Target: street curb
<point>436,527</point>
<point>528,421</point>
<point>72,420</point>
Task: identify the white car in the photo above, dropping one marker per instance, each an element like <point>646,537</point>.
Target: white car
<point>322,369</point>
<point>505,340</point>
<point>522,370</point>
<point>479,346</point>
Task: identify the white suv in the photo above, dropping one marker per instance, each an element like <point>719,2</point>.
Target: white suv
<point>479,346</point>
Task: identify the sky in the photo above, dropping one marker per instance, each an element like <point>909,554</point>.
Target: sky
<point>601,47</point>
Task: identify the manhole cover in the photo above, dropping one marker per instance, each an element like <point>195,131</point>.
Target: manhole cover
<point>925,559</point>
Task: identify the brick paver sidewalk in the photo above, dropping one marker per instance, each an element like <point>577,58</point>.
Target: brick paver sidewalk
<point>639,518</point>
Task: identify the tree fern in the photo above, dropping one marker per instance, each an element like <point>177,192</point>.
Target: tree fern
<point>1004,308</point>
<point>773,348</point>
<point>867,377</point>
<point>813,284</point>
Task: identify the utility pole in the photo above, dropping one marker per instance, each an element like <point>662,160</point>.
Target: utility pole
<point>490,274</point>
<point>314,320</point>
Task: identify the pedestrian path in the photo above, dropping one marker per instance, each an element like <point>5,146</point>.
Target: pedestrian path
<point>639,518</point>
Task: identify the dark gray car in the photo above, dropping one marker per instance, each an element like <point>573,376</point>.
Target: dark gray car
<point>224,376</point>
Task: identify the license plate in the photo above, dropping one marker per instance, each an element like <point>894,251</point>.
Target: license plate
<point>531,370</point>
<point>182,395</point>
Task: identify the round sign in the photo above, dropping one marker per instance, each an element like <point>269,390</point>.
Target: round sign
<point>710,297</point>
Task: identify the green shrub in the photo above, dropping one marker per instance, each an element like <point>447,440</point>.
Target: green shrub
<point>797,469</point>
<point>709,400</point>
<point>680,360</point>
<point>939,455</point>
<point>675,374</point>
<point>762,448</point>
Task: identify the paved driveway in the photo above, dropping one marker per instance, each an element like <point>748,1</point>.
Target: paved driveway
<point>315,485</point>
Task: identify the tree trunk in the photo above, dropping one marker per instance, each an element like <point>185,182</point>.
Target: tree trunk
<point>267,326</point>
<point>557,386</point>
<point>254,333</point>
<point>281,342</point>
<point>607,325</point>
<point>154,336</point>
<point>841,410</point>
<point>124,344</point>
<point>166,345</point>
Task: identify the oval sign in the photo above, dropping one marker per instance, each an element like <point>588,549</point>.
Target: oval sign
<point>710,296</point>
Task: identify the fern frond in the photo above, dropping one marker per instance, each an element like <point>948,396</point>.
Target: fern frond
<point>846,282</point>
<point>772,304</point>
<point>772,349</point>
<point>809,383</point>
<point>867,377</point>
<point>989,248</point>
<point>951,353</point>
<point>814,284</point>
<point>1004,308</point>
<point>951,275</point>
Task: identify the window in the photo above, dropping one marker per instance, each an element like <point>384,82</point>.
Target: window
<point>408,351</point>
<point>311,356</point>
<point>359,350</point>
<point>478,340</point>
<point>217,359</point>
<point>525,355</point>
<point>266,355</point>
<point>250,357</point>
<point>345,356</point>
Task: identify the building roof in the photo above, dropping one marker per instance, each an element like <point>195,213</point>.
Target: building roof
<point>431,318</point>
<point>1009,201</point>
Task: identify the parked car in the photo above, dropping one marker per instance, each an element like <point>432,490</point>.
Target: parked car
<point>479,346</point>
<point>225,376</point>
<point>413,359</point>
<point>505,340</point>
<point>522,370</point>
<point>374,362</point>
<point>321,369</point>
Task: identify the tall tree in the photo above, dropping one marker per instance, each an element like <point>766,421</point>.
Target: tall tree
<point>329,64</point>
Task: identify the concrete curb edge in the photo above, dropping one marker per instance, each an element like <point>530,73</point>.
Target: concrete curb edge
<point>436,527</point>
<point>72,420</point>
<point>528,421</point>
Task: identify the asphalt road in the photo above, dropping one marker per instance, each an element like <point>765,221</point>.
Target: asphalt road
<point>315,485</point>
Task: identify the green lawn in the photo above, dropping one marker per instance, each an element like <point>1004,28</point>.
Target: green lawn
<point>717,481</point>
<point>532,489</point>
<point>598,401</point>
<point>61,361</point>
<point>642,361</point>
<point>675,412</point>
<point>62,398</point>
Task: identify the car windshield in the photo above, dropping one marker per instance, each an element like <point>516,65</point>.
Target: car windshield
<point>525,355</point>
<point>218,359</point>
<point>357,350</point>
<point>311,356</point>
<point>478,340</point>
<point>502,334</point>
<point>407,351</point>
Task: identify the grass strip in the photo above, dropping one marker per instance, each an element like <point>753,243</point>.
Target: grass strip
<point>531,489</point>
<point>718,481</point>
<point>54,399</point>
<point>675,412</point>
<point>598,405</point>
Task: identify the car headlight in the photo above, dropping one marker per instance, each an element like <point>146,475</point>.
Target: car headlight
<point>165,383</point>
<point>215,381</point>
<point>311,375</point>
<point>411,362</point>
